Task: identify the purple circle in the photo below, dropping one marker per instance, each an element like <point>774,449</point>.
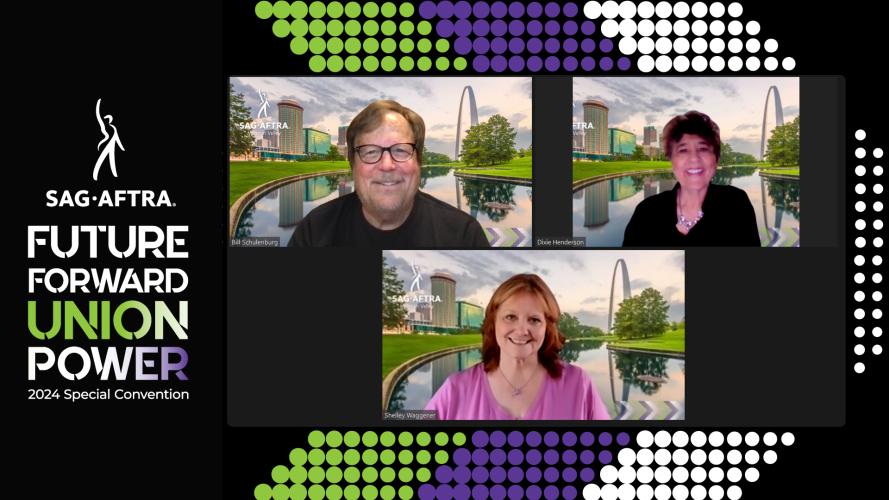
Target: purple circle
<point>517,46</point>
<point>551,438</point>
<point>534,28</point>
<point>552,28</point>
<point>516,9</point>
<point>498,46</point>
<point>552,9</point>
<point>515,492</point>
<point>498,63</point>
<point>533,456</point>
<point>480,64</point>
<point>479,492</point>
<point>445,9</point>
<point>605,457</point>
<point>480,457</point>
<point>481,28</point>
<point>587,27</point>
<point>481,9</point>
<point>623,438</point>
<point>444,474</point>
<point>569,45</point>
<point>497,475</point>
<point>569,28</point>
<point>462,46</point>
<point>569,475</point>
<point>587,438</point>
<point>551,493</point>
<point>552,46</point>
<point>480,475</point>
<point>462,10</point>
<point>569,456</point>
<point>427,10</point>
<point>461,492</point>
<point>427,491</point>
<point>480,438</point>
<point>552,63</point>
<point>570,63</point>
<point>515,438</point>
<point>498,27</point>
<point>462,456</point>
<point>533,438</point>
<point>497,439</point>
<point>605,46</point>
<point>516,28</point>
<point>605,437</point>
<point>515,457</point>
<point>587,475</point>
<point>533,492</point>
<point>533,474</point>
<point>444,491</point>
<point>551,456</point>
<point>462,474</point>
<point>534,9</point>
<point>569,9</point>
<point>551,474</point>
<point>498,457</point>
<point>462,27</point>
<point>444,28</point>
<point>535,63</point>
<point>587,456</point>
<point>481,46</point>
<point>498,492</point>
<point>569,438</point>
<point>498,9</point>
<point>586,46</point>
<point>515,474</point>
<point>569,492</point>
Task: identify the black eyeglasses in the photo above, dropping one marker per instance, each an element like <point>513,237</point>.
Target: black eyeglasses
<point>371,153</point>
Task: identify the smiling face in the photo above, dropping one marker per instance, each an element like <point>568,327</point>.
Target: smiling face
<point>694,161</point>
<point>520,326</point>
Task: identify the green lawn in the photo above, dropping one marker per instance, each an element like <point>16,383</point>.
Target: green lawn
<point>399,348</point>
<point>246,175</point>
<point>671,341</point>
<point>588,169</point>
<point>517,167</point>
<point>793,171</point>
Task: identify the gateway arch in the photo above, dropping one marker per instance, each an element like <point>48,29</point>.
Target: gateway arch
<point>473,118</point>
<point>779,118</point>
<point>627,291</point>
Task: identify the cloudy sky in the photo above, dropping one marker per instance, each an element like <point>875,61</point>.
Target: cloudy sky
<point>580,279</point>
<point>331,102</point>
<point>735,104</point>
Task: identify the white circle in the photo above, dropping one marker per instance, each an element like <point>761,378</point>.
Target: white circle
<point>878,206</point>
<point>644,474</point>
<point>644,457</point>
<point>734,474</point>
<point>735,9</point>
<point>608,473</point>
<point>663,63</point>
<point>699,492</point>
<point>859,330</point>
<point>680,438</point>
<point>771,45</point>
<point>626,474</point>
<point>591,491</point>
<point>663,27</point>
<point>662,439</point>
<point>716,475</point>
<point>610,9</point>
<point>859,260</point>
<point>878,242</point>
<point>699,45</point>
<point>717,28</point>
<point>645,45</point>
<point>680,492</point>
<point>627,27</point>
<point>663,45</point>
<point>644,492</point>
<point>735,63</point>
<point>662,457</point>
<point>859,367</point>
<point>878,189</point>
<point>860,134</point>
<point>752,45</point>
<point>752,439</point>
<point>698,456</point>
<point>787,439</point>
<point>859,314</point>
<point>858,350</point>
<point>645,28</point>
<point>717,63</point>
<point>609,492</point>
<point>663,9</point>
<point>734,492</point>
<point>715,457</point>
<point>859,278</point>
<point>645,10</point>
<point>878,153</point>
<point>877,350</point>
<point>860,170</point>
<point>715,492</point>
<point>662,475</point>
<point>752,63</point>
<point>770,457</point>
<point>717,45</point>
<point>626,45</point>
<point>627,9</point>
<point>860,206</point>
<point>788,63</point>
<point>877,296</point>
<point>735,28</point>
<point>699,9</point>
<point>735,45</point>
<point>859,296</point>
<point>860,224</point>
<point>878,224</point>
<point>698,475</point>
<point>878,170</point>
<point>680,475</point>
<point>860,188</point>
<point>753,27</point>
<point>699,27</point>
<point>699,63</point>
<point>681,45</point>
<point>769,439</point>
<point>680,457</point>
<point>733,439</point>
<point>734,457</point>
<point>646,64</point>
<point>860,153</point>
<point>751,457</point>
<point>698,439</point>
<point>662,492</point>
<point>681,9</point>
<point>860,242</point>
<point>626,456</point>
<point>717,9</point>
<point>751,475</point>
<point>610,28</point>
<point>626,492</point>
<point>877,314</point>
<point>877,277</point>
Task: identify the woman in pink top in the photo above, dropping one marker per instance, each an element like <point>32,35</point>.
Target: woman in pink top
<point>521,375</point>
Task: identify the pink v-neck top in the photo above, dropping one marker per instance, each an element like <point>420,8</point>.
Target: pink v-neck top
<point>467,396</point>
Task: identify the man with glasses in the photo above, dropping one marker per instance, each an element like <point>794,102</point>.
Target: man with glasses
<point>387,209</point>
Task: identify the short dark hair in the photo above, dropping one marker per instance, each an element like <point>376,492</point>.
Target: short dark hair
<point>695,123</point>
<point>370,118</point>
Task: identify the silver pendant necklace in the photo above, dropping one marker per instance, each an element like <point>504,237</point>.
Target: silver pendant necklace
<point>515,390</point>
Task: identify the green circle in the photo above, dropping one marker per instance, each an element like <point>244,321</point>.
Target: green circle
<point>371,28</point>
<point>369,457</point>
<point>334,9</point>
<point>405,438</point>
<point>352,28</point>
<point>316,474</point>
<point>298,492</point>
<point>442,45</point>
<point>460,65</point>
<point>405,457</point>
<point>441,456</point>
<point>352,46</point>
<point>335,63</point>
<point>316,492</point>
<point>423,457</point>
<point>442,63</point>
<point>351,438</point>
<point>351,457</point>
<point>405,493</point>
<point>317,46</point>
<point>281,492</point>
<point>334,456</point>
<point>424,27</point>
<point>406,28</point>
<point>370,46</point>
<point>423,438</point>
<point>387,457</point>
<point>387,475</point>
<point>281,28</point>
<point>262,491</point>
<point>334,474</point>
<point>335,46</point>
<point>406,63</point>
<point>370,63</point>
<point>369,474</point>
<point>317,9</point>
<point>351,492</point>
<point>387,438</point>
<point>280,473</point>
<point>387,492</point>
<point>298,10</point>
<point>388,9</point>
<point>316,457</point>
<point>405,475</point>
<point>406,10</point>
<point>299,27</point>
<point>406,45</point>
<point>424,63</point>
<point>369,492</point>
<point>335,28</point>
<point>459,438</point>
<point>423,474</point>
<point>424,45</point>
<point>388,46</point>
<point>353,64</point>
<point>371,9</point>
<point>281,9</point>
<point>334,492</point>
<point>263,10</point>
<point>353,9</point>
<point>298,456</point>
<point>369,438</point>
<point>298,474</point>
<point>351,474</point>
<point>388,28</point>
<point>317,27</point>
<point>441,438</point>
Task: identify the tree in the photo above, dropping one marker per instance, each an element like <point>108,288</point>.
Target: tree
<point>240,135</point>
<point>489,143</point>
<point>638,154</point>
<point>726,154</point>
<point>644,315</point>
<point>333,153</point>
<point>393,310</point>
<point>569,326</point>
<point>783,146</point>
<point>433,158</point>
